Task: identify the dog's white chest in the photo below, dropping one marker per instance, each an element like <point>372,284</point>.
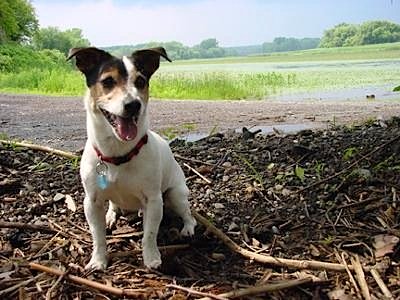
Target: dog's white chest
<point>124,191</point>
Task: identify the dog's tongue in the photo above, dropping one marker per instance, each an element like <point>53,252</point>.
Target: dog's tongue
<point>126,128</point>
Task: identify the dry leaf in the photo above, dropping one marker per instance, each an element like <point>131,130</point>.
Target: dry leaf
<point>384,244</point>
<point>70,203</point>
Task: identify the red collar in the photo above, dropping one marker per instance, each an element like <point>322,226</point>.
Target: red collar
<point>118,160</point>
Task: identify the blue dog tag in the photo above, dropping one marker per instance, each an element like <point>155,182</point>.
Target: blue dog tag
<point>101,170</point>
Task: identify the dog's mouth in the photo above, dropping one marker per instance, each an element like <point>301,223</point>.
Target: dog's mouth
<point>125,127</point>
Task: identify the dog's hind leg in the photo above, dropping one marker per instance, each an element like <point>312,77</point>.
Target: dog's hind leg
<point>111,215</point>
<point>95,216</point>
<point>177,200</point>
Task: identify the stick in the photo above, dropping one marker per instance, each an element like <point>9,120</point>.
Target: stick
<point>18,225</point>
<point>350,166</point>
<point>193,160</point>
<point>41,148</point>
<point>17,286</point>
<point>133,293</point>
<point>381,284</point>
<point>194,292</point>
<point>263,288</point>
<point>361,277</point>
<point>163,249</point>
<point>266,259</point>
<point>197,173</point>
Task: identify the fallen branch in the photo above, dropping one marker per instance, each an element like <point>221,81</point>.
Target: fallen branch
<point>355,261</point>
<point>163,249</point>
<point>254,290</point>
<point>194,292</point>
<point>41,148</point>
<point>133,293</point>
<point>282,262</point>
<point>208,181</point>
<point>18,285</point>
<point>381,284</point>
<point>25,226</point>
<point>350,166</point>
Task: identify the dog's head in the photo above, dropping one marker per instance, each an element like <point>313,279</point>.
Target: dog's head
<point>119,88</point>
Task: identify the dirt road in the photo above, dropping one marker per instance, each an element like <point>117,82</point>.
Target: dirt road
<point>60,121</point>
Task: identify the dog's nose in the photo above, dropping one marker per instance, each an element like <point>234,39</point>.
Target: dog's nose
<point>132,108</point>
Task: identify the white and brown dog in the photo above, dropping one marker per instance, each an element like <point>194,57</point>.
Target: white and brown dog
<point>123,161</point>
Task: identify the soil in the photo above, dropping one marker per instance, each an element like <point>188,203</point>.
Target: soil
<point>327,194</point>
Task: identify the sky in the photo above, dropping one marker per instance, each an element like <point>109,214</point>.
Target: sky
<point>232,23</point>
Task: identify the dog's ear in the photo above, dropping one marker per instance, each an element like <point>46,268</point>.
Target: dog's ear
<point>88,59</point>
<point>147,61</point>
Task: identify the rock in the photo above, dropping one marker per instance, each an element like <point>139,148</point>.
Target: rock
<point>233,227</point>
<point>58,197</point>
<point>225,178</point>
<point>44,193</point>
<point>214,139</point>
<point>227,164</point>
<point>218,256</point>
<point>219,206</point>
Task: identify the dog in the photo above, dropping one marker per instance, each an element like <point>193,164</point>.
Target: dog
<point>123,161</point>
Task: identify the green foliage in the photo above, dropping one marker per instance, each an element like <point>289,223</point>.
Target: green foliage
<point>54,38</point>
<point>18,21</point>
<point>217,85</point>
<point>15,58</point>
<point>349,153</point>
<point>396,89</point>
<point>281,44</point>
<point>299,172</point>
<point>370,32</point>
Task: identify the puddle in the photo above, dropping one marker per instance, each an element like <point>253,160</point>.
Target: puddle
<point>379,92</point>
<point>284,128</point>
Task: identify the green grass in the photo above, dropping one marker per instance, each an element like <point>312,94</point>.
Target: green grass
<point>253,77</point>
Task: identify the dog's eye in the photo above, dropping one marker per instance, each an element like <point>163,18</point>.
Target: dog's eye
<point>108,82</point>
<point>140,82</point>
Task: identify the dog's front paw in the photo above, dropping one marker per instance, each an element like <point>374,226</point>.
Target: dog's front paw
<point>97,263</point>
<point>151,258</point>
<point>188,227</point>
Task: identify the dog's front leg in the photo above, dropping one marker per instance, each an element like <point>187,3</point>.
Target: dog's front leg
<point>95,216</point>
<point>152,215</point>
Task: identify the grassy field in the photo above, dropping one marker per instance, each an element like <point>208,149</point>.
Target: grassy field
<point>253,77</point>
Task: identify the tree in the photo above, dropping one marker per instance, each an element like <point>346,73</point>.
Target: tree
<point>341,35</point>
<point>18,21</point>
<point>54,38</point>
<point>370,32</point>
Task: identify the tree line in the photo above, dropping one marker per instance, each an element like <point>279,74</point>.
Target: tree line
<point>19,24</point>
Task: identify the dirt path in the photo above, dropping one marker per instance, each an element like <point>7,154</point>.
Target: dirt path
<point>60,121</point>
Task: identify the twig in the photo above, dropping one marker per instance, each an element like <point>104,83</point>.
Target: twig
<point>19,225</point>
<point>164,249</point>
<point>197,173</point>
<point>350,166</point>
<point>194,292</point>
<point>41,148</point>
<point>134,293</point>
<point>263,288</point>
<point>381,284</point>
<point>352,280</point>
<point>53,287</point>
<point>355,261</point>
<point>17,286</point>
<point>193,160</point>
<point>283,262</point>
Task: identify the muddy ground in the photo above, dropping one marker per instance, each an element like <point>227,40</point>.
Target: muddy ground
<point>324,195</point>
<point>60,121</point>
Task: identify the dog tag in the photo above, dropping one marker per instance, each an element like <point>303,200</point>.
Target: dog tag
<point>101,170</point>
